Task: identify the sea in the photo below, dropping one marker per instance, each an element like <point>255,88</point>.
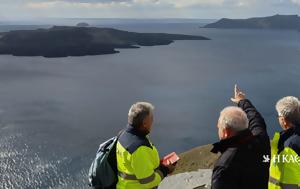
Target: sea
<point>54,112</point>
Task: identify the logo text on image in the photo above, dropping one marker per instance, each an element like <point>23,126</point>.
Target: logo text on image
<point>282,159</point>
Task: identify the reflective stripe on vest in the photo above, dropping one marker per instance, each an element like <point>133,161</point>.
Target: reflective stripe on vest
<point>126,176</point>
<point>144,180</point>
<point>282,185</point>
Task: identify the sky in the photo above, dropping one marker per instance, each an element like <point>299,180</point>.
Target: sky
<point>200,9</point>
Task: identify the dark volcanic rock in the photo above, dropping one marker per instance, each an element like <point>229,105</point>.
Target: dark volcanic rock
<point>62,41</point>
<point>82,24</point>
<point>272,22</point>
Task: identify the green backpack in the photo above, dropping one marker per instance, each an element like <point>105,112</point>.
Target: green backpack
<point>103,171</point>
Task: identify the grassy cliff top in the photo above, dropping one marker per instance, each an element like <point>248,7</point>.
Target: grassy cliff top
<point>197,158</point>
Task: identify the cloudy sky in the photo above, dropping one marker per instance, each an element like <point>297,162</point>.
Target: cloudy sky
<point>28,9</point>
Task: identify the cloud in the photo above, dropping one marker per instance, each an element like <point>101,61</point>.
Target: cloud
<point>81,1</point>
<point>146,1</point>
<point>77,4</point>
<point>146,8</point>
<point>190,3</point>
<point>177,4</point>
<point>166,3</point>
<point>297,2</point>
<point>245,3</point>
<point>41,5</point>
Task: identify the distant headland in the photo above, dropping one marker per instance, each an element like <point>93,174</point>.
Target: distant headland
<point>63,41</point>
<point>287,22</point>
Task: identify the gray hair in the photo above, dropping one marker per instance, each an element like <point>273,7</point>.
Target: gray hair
<point>288,107</point>
<point>234,118</point>
<point>138,112</point>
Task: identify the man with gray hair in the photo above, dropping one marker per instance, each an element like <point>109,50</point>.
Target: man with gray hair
<point>243,144</point>
<point>285,146</point>
<point>138,160</point>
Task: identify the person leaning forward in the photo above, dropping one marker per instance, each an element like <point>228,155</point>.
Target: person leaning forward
<point>243,144</point>
<point>138,160</point>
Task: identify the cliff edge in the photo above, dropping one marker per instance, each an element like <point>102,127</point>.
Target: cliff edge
<point>193,171</point>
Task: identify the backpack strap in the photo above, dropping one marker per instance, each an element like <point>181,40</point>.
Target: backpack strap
<point>120,133</point>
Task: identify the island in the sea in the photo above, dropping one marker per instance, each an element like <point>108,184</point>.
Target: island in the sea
<point>287,22</point>
<point>82,24</point>
<point>63,41</point>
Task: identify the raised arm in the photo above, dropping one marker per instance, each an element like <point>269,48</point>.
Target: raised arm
<point>257,123</point>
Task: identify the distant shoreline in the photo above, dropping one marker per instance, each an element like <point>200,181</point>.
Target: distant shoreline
<point>282,22</point>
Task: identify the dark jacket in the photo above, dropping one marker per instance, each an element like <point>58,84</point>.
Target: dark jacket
<point>290,138</point>
<point>132,139</point>
<point>241,165</point>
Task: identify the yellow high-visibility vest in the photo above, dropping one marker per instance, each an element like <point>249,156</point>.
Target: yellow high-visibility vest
<point>138,170</point>
<point>284,168</point>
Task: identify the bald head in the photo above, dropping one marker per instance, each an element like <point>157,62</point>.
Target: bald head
<point>233,118</point>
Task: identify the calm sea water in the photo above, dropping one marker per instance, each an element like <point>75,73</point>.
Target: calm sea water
<point>55,112</point>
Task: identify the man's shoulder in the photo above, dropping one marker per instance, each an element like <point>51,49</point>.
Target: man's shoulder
<point>293,142</point>
<point>132,142</point>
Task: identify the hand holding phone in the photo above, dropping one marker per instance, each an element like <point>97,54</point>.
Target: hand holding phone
<point>170,159</point>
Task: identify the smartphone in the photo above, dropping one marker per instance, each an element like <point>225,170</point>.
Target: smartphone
<point>170,159</point>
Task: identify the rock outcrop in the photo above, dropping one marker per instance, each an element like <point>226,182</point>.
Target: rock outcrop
<point>193,170</point>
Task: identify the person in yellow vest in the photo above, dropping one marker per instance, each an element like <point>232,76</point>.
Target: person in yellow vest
<point>285,146</point>
<point>138,160</point>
